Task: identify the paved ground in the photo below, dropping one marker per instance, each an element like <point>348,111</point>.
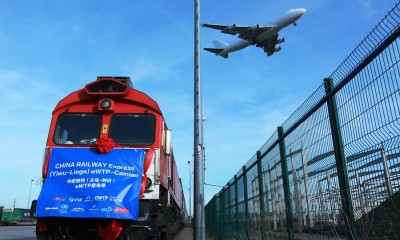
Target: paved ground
<point>185,234</point>
<point>28,233</point>
<point>17,233</point>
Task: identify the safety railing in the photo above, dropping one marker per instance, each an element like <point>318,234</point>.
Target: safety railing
<point>332,170</point>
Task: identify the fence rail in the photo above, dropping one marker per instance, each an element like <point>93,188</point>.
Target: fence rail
<point>332,170</point>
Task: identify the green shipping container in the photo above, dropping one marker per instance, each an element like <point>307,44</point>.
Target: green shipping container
<point>19,213</point>
<point>6,215</point>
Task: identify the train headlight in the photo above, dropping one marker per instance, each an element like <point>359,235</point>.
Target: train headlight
<point>105,104</point>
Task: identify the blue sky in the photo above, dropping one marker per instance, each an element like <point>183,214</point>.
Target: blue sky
<point>51,48</point>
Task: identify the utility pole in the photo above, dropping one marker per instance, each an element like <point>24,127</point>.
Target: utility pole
<point>30,190</point>
<point>199,230</point>
<point>190,193</point>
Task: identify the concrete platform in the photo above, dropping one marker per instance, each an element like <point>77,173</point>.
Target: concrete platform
<point>185,234</point>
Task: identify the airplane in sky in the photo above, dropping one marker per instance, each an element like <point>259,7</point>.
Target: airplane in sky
<point>265,37</point>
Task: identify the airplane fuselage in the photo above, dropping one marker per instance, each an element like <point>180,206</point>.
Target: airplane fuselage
<point>261,36</point>
<point>289,18</point>
<point>238,45</point>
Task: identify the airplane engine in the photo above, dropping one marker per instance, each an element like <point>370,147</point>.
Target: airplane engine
<point>256,27</point>
<point>229,29</point>
<point>280,40</point>
<point>277,49</point>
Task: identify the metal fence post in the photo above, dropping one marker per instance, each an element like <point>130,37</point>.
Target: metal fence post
<point>237,230</point>
<point>261,196</point>
<point>214,216</point>
<point>229,220</point>
<point>286,187</point>
<point>210,218</point>
<point>222,206</point>
<point>207,219</point>
<point>341,166</point>
<point>246,203</point>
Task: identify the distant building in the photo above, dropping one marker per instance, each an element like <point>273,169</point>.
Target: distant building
<point>6,214</point>
<point>13,214</point>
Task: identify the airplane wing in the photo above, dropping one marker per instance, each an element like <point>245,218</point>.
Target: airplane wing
<point>269,44</point>
<point>245,32</point>
<point>233,30</point>
<point>251,33</point>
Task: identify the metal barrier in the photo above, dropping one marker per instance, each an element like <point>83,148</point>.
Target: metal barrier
<point>332,170</point>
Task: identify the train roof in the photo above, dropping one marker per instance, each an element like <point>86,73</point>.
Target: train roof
<point>109,87</point>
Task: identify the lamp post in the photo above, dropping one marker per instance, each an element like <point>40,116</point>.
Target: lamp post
<point>198,167</point>
<point>30,190</point>
<point>190,194</point>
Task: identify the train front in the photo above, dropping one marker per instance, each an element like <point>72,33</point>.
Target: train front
<point>101,167</point>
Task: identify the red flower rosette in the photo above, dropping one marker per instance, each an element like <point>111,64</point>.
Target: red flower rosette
<point>105,145</point>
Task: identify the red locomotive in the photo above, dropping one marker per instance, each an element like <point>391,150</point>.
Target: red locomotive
<point>109,170</point>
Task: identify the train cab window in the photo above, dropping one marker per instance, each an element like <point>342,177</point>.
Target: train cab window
<point>77,128</point>
<point>132,129</point>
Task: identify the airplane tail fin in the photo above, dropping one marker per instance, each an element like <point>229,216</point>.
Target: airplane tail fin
<point>217,51</point>
<point>219,47</point>
<point>220,44</point>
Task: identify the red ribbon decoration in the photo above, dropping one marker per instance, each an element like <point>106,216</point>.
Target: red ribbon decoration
<point>112,231</point>
<point>105,145</point>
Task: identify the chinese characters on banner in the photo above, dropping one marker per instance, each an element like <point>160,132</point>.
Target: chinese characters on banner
<point>82,183</point>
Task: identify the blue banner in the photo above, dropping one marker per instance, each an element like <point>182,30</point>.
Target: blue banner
<point>81,183</point>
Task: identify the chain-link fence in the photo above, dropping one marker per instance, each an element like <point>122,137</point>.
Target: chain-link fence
<point>332,170</point>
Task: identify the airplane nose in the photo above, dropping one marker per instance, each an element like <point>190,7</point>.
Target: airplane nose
<point>302,10</point>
